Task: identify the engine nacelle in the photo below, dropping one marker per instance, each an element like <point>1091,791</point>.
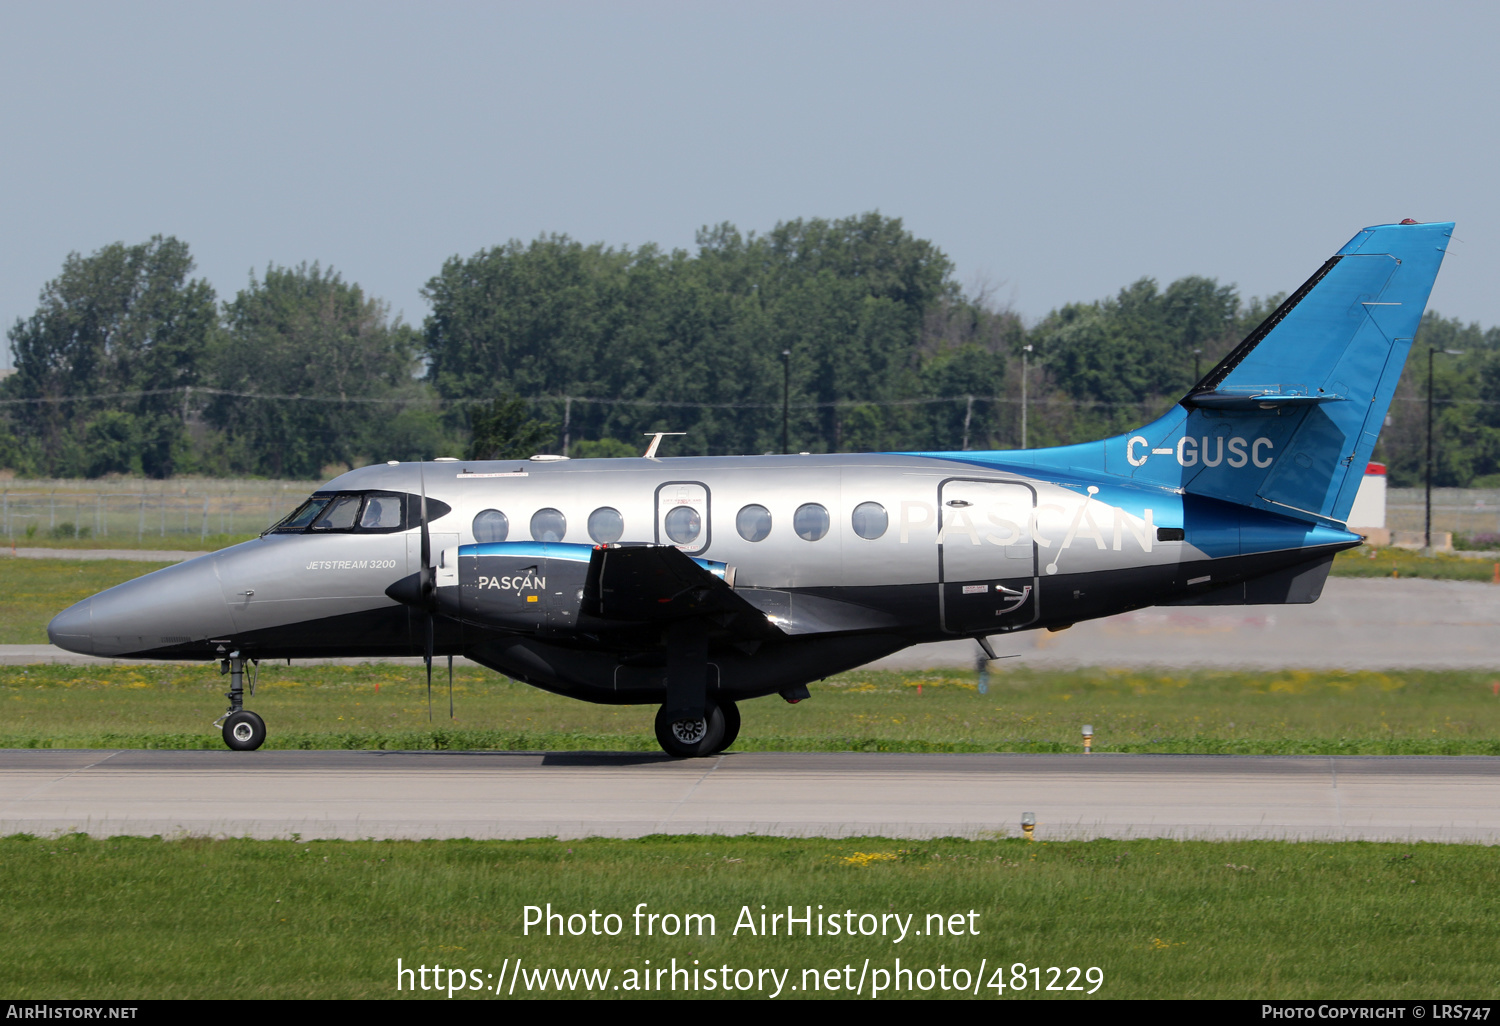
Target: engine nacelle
<point>524,586</point>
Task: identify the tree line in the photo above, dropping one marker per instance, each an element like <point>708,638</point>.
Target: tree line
<point>130,365</point>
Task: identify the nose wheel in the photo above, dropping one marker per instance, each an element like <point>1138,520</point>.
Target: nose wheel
<point>243,730</point>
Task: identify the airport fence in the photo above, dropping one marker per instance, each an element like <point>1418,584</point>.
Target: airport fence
<point>128,510</point>
<point>1467,512</point>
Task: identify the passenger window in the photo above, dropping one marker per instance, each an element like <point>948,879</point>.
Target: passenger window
<point>381,511</point>
<point>606,525</point>
<point>683,524</point>
<point>753,522</point>
<point>810,521</point>
<point>491,526</point>
<point>340,514</point>
<point>548,525</point>
<point>870,520</point>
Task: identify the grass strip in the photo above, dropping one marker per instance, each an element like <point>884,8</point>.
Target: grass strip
<point>384,706</point>
<point>36,590</point>
<point>554,741</point>
<point>1390,562</point>
<point>191,542</point>
<point>128,918</point>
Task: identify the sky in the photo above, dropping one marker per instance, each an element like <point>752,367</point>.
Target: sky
<point>1055,152</point>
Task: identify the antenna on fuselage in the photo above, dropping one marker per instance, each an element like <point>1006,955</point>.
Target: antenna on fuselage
<point>656,437</point>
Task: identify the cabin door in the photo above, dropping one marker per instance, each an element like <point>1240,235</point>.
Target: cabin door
<point>987,559</point>
<point>682,516</point>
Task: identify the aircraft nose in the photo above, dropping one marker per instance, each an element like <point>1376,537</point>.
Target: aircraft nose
<point>176,606</point>
<point>73,628</point>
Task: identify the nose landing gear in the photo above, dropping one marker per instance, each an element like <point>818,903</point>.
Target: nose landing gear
<point>243,730</point>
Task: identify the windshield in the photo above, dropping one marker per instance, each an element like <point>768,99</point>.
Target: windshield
<point>359,512</point>
<point>340,514</point>
<point>303,515</point>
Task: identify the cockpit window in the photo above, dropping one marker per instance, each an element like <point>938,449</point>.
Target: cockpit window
<point>382,511</point>
<point>304,514</point>
<point>340,514</point>
<point>360,512</point>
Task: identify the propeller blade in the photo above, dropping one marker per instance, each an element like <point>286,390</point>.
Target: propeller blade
<point>427,584</point>
<point>422,523</point>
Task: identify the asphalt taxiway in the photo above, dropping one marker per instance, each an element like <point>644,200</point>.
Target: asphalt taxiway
<point>417,795</point>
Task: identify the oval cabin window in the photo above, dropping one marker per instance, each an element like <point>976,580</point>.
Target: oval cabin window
<point>753,523</point>
<point>870,520</point>
<point>683,524</point>
<point>491,526</point>
<point>810,522</point>
<point>548,525</point>
<point>606,525</point>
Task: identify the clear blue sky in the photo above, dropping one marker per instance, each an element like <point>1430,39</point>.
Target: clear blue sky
<point>1058,151</point>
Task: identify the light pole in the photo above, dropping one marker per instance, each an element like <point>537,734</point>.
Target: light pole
<point>1024,351</point>
<point>786,393</point>
<point>1431,352</point>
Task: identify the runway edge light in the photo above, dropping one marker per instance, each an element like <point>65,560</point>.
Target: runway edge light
<point>1028,824</point>
<point>1088,738</point>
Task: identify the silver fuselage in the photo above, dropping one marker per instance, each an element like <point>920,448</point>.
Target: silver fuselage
<point>966,549</point>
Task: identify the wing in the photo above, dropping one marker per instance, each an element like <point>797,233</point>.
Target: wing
<point>658,583</point>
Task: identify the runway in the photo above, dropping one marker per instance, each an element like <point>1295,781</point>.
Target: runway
<point>325,794</point>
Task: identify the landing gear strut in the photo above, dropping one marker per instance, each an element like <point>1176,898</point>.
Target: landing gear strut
<point>688,724</point>
<point>243,730</point>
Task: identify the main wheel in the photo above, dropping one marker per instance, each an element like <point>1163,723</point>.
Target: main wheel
<point>244,731</point>
<point>731,724</point>
<point>687,739</point>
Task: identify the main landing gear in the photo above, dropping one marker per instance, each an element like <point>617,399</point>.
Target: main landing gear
<point>690,723</point>
<point>687,737</point>
<point>243,730</point>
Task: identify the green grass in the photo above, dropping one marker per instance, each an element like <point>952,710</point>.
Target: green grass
<point>149,542</point>
<point>385,706</point>
<point>129,918</point>
<point>32,591</point>
<point>1388,562</point>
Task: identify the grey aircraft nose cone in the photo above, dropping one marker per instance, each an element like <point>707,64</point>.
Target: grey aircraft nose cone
<point>73,628</point>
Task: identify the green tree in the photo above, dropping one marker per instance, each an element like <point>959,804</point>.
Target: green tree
<point>684,342</point>
<point>342,369</point>
<point>503,429</point>
<point>1122,360</point>
<point>127,319</point>
<point>1466,408</point>
<point>605,448</point>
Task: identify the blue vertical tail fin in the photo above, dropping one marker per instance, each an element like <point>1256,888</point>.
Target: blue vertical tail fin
<point>1289,419</point>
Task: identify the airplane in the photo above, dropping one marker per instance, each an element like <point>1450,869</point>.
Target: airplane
<point>697,583</point>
